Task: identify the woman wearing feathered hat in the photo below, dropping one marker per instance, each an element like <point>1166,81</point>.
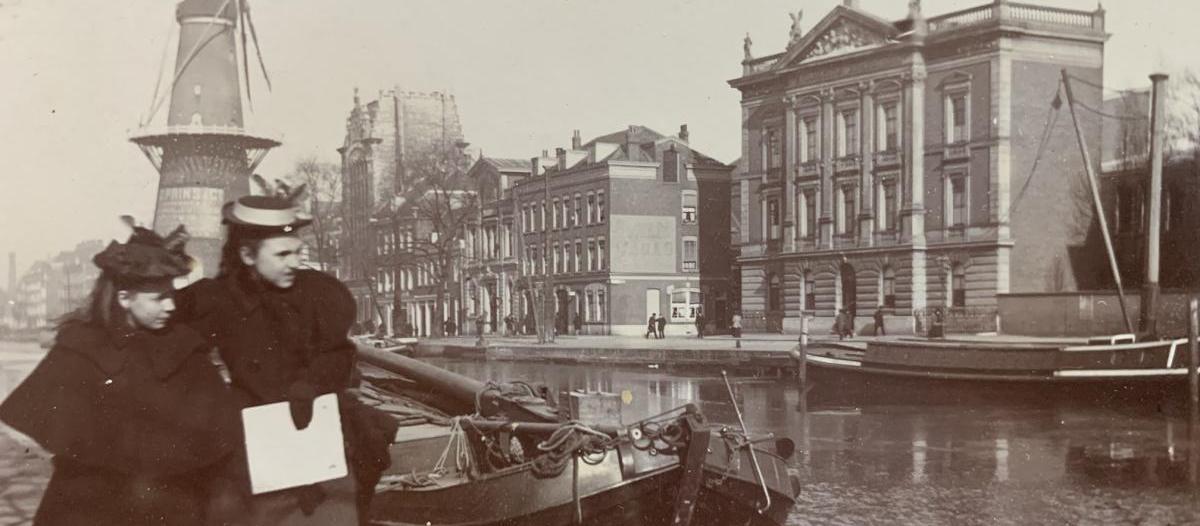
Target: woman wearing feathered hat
<point>135,413</point>
<point>283,332</point>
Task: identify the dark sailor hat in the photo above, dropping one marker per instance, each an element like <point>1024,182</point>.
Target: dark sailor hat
<point>264,215</point>
<point>146,260</point>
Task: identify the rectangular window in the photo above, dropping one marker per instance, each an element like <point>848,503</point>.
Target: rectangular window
<point>810,213</point>
<point>600,305</point>
<point>578,210</point>
<point>542,219</point>
<point>591,208</point>
<point>810,293</point>
<point>773,218</point>
<point>577,265</point>
<point>958,198</point>
<point>774,152</point>
<point>889,288</point>
<point>600,254</point>
<point>600,207</point>
<point>958,118</point>
<point>887,220</point>
<point>591,306</point>
<point>848,142</point>
<point>566,212</point>
<point>810,140</point>
<point>889,140</point>
<point>689,254</point>
<point>554,214</point>
<point>689,208</point>
<point>848,200</point>
<point>536,261</point>
<point>959,289</point>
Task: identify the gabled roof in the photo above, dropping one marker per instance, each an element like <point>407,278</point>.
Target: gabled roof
<point>508,165</point>
<point>641,134</point>
<point>843,29</point>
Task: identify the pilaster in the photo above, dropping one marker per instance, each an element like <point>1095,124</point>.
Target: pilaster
<point>866,183</point>
<point>828,142</point>
<point>790,142</point>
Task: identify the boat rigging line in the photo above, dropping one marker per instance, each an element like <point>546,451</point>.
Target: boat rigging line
<point>753,458</point>
<point>1051,120</point>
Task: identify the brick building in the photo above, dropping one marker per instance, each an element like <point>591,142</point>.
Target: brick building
<point>615,226</point>
<point>881,161</point>
<point>387,142</point>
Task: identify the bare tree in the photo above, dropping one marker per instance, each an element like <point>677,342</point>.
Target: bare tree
<point>323,203</point>
<point>1183,114</point>
<point>437,206</point>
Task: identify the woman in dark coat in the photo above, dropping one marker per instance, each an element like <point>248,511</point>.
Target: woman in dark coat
<point>135,413</point>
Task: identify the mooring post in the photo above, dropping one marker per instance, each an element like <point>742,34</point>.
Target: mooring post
<point>801,355</point>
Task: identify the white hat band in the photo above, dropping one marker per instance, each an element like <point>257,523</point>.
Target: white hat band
<point>259,216</point>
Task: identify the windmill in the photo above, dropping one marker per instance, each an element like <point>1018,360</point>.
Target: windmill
<point>204,155</point>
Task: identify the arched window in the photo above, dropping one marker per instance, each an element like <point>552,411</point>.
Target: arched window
<point>774,293</point>
<point>889,287</point>
<point>810,291</point>
<point>958,286</point>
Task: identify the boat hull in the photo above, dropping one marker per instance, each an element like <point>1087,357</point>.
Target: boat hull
<point>1114,364</point>
<point>628,486</point>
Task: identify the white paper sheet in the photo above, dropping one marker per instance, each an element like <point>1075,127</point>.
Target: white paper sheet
<point>281,457</point>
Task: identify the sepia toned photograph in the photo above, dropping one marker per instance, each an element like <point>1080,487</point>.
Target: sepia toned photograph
<point>583,262</point>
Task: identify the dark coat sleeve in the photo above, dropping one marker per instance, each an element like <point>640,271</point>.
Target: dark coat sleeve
<point>331,354</point>
<point>196,307</point>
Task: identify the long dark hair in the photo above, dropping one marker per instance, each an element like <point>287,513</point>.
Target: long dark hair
<point>231,258</point>
<point>101,309</point>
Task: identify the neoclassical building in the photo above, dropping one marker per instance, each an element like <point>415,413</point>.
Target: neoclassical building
<point>882,160</point>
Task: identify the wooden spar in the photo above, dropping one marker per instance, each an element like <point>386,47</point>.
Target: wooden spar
<point>459,387</point>
<point>1149,308</point>
<point>1099,207</point>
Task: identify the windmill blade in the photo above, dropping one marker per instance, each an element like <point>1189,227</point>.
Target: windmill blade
<point>257,49</point>
<point>241,9</point>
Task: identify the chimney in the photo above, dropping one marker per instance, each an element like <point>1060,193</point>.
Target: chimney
<point>534,166</point>
<point>576,143</point>
<point>561,154</point>
<point>545,153</point>
<point>852,4</point>
<point>683,133</point>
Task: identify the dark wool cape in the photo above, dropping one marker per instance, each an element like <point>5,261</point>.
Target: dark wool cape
<point>137,423</point>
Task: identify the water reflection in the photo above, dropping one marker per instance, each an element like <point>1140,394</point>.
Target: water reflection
<point>886,454</point>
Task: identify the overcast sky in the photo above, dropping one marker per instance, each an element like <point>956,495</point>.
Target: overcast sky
<point>76,77</point>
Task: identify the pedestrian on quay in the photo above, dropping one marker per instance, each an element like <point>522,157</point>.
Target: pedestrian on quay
<point>137,416</point>
<point>700,325</point>
<point>449,327</point>
<point>281,329</point>
<point>736,325</point>
<point>650,330</point>
<point>879,328</point>
<point>662,326</point>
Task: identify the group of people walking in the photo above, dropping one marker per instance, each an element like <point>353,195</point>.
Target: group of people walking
<point>139,399</point>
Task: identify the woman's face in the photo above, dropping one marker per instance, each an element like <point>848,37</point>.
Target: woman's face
<point>147,309</point>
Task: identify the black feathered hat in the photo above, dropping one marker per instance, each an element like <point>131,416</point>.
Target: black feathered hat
<point>146,258</point>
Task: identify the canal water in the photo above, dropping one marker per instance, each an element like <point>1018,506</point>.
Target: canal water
<point>949,455</point>
<point>873,454</point>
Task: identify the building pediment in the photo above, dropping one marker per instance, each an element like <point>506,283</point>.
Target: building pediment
<point>843,30</point>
